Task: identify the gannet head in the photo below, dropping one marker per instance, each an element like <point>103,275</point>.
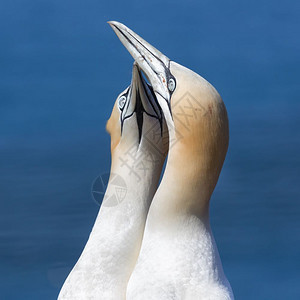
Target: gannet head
<point>137,122</point>
<point>194,111</point>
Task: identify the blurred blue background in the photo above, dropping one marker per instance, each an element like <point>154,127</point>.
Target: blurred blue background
<point>61,69</point>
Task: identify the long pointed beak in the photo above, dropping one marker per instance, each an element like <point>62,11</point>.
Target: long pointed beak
<point>139,99</point>
<point>152,62</point>
<point>141,90</point>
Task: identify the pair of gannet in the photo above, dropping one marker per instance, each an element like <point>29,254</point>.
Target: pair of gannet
<point>157,242</point>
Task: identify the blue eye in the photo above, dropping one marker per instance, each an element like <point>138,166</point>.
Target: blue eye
<point>171,85</point>
<point>121,102</point>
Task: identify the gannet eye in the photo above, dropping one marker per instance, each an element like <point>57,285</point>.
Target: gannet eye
<point>121,102</point>
<point>171,85</point>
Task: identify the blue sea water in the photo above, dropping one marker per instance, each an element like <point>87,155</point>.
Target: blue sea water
<point>61,68</point>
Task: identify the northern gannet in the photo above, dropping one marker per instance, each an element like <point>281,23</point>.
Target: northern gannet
<point>138,150</point>
<point>179,257</point>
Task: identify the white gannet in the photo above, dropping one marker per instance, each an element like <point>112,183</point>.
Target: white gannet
<point>179,257</point>
<point>138,150</point>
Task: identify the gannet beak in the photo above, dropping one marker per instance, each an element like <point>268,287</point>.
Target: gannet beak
<point>139,99</point>
<point>144,93</point>
<point>154,64</point>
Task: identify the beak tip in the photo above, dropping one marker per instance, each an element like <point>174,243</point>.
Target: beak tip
<point>114,23</point>
<point>111,23</point>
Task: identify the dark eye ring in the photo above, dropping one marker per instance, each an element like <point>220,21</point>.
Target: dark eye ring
<point>171,85</point>
<point>121,102</point>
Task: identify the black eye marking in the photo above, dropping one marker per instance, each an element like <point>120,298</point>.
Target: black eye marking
<point>171,85</point>
<point>122,102</point>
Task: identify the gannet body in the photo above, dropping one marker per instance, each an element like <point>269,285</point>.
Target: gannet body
<point>136,127</point>
<point>179,258</point>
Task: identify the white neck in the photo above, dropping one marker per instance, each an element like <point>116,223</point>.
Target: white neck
<point>105,265</point>
<point>178,243</point>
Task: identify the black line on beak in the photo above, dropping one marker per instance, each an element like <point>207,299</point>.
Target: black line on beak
<point>139,109</point>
